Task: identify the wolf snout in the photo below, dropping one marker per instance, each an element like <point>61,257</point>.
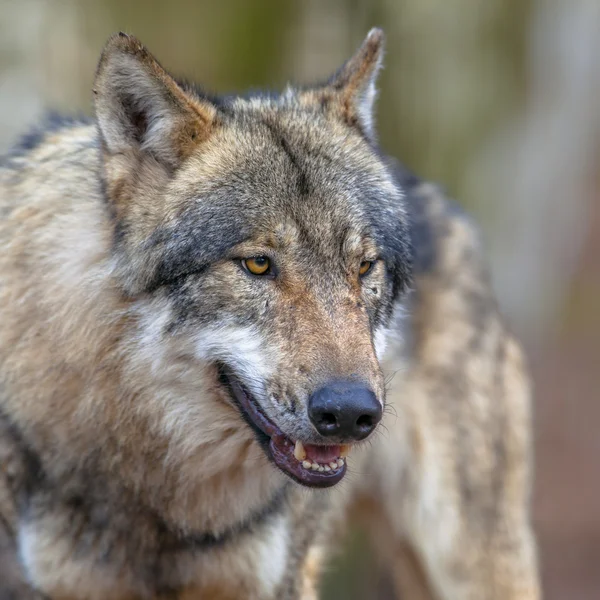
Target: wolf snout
<point>346,410</point>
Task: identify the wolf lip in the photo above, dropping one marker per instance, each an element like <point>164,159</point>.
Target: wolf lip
<point>321,466</point>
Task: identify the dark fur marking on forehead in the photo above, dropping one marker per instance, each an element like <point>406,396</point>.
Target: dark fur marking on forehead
<point>301,178</point>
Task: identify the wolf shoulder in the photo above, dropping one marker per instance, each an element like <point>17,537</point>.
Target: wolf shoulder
<point>59,152</point>
<point>444,236</point>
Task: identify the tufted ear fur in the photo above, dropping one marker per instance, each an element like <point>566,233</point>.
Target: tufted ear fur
<point>140,108</point>
<point>351,92</point>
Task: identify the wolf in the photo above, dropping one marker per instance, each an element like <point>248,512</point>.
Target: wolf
<point>229,328</point>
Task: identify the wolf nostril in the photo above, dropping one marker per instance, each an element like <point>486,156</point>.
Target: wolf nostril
<point>364,422</point>
<point>326,423</point>
<point>327,419</point>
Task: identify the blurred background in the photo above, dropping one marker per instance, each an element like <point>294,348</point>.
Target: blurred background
<point>499,100</point>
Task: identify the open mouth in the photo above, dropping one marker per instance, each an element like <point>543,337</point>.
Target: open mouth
<point>308,464</point>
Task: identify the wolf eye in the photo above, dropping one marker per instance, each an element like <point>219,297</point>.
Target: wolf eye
<point>257,265</point>
<point>365,267</point>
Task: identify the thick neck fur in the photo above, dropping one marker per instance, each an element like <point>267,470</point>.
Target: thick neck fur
<point>114,405</point>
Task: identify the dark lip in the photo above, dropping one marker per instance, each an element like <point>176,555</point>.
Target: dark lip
<point>276,445</point>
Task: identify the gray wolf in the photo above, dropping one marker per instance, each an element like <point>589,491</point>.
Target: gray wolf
<point>202,301</point>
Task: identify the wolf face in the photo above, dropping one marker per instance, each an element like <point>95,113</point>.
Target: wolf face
<point>273,237</point>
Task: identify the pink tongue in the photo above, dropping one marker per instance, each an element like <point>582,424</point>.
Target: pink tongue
<point>322,454</point>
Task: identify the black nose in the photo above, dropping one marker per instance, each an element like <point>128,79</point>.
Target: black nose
<point>346,410</point>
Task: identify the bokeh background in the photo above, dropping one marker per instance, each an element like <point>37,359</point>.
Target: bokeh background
<point>499,100</point>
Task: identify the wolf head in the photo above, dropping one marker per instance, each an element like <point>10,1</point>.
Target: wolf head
<point>273,236</point>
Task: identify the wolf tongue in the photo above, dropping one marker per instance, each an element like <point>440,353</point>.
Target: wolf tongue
<point>321,454</point>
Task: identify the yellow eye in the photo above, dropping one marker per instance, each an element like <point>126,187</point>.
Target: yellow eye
<point>257,265</point>
<point>365,267</point>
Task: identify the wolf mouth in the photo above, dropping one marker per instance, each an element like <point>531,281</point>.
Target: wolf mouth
<point>311,465</point>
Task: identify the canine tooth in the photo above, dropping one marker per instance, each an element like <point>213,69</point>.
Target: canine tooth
<point>344,450</point>
<point>299,451</point>
<point>306,464</point>
<point>340,462</point>
<point>314,467</point>
<point>321,469</point>
<point>333,465</point>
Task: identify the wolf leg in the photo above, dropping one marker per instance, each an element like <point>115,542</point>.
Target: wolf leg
<point>409,578</point>
<point>311,572</point>
<point>460,498</point>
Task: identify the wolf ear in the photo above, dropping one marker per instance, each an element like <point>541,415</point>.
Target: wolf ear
<point>351,90</point>
<point>140,108</point>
